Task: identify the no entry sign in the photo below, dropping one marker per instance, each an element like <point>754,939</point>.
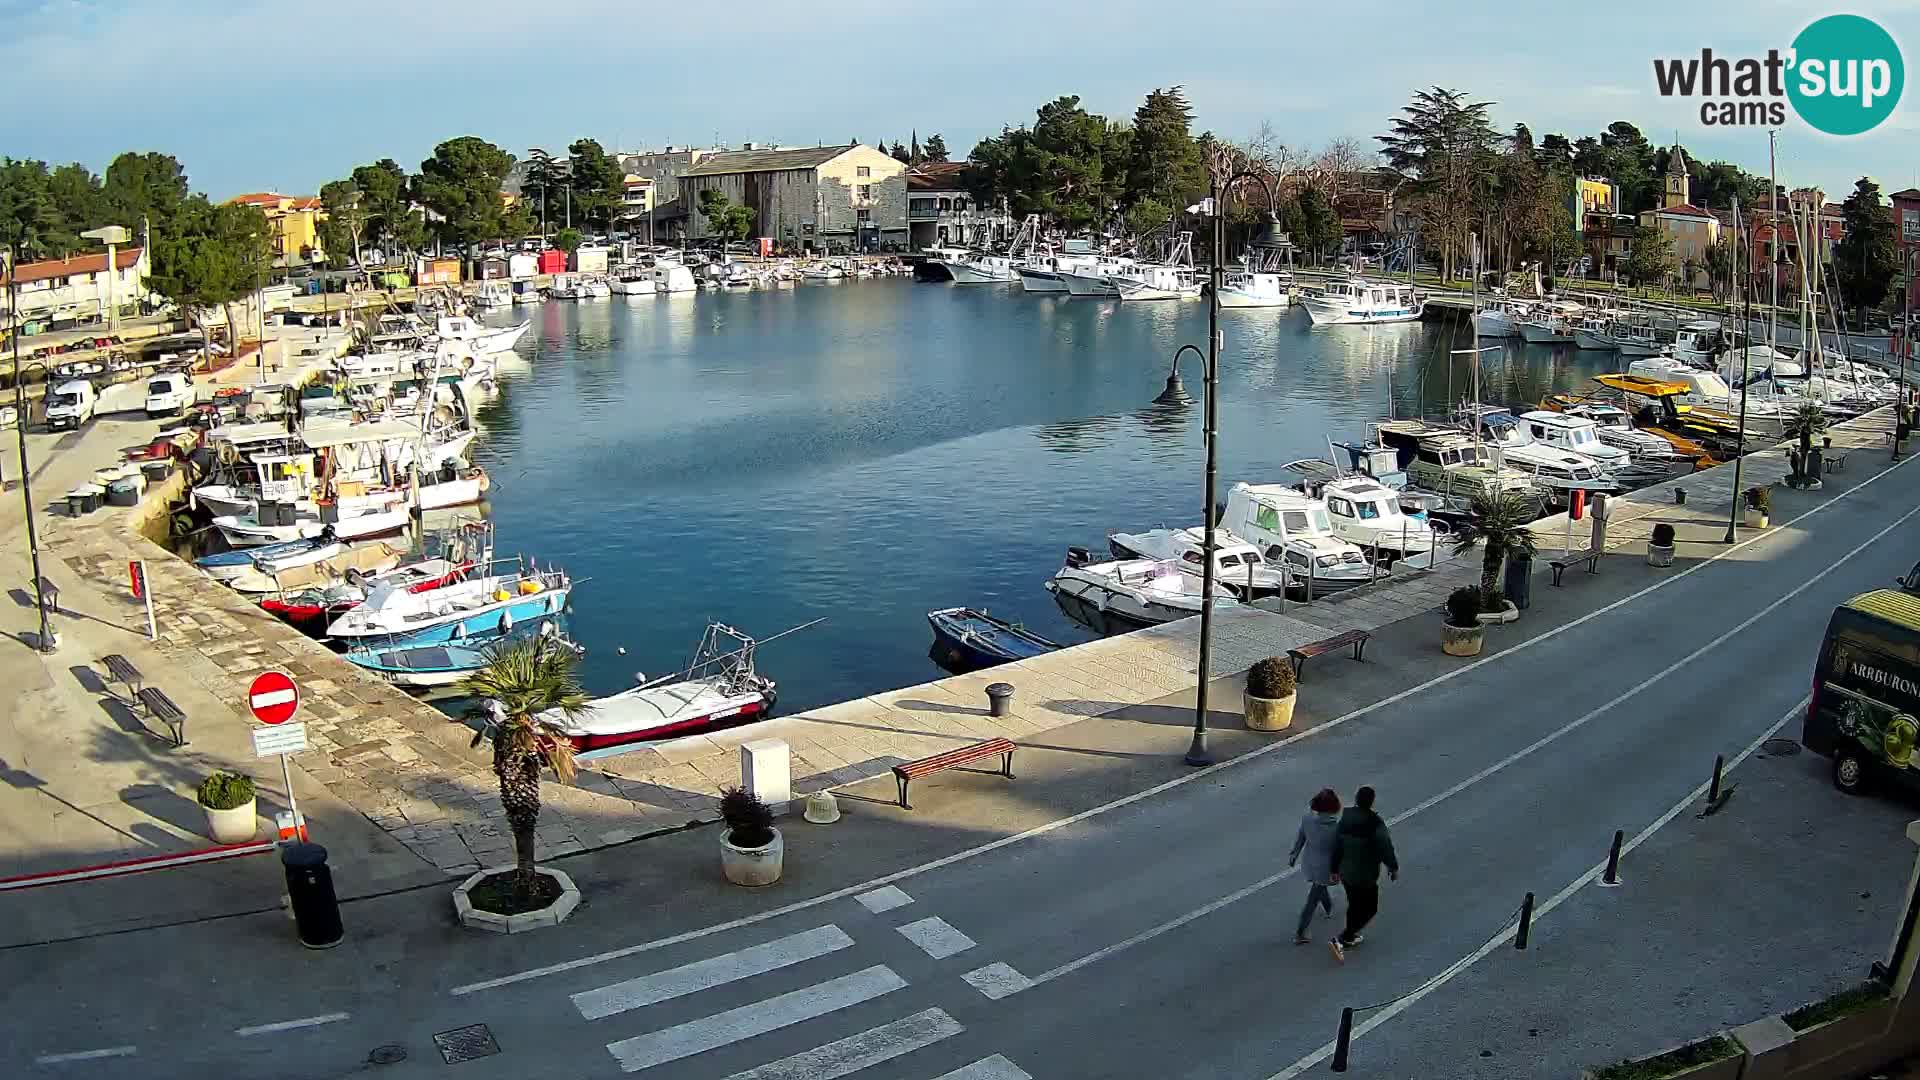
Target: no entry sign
<point>273,697</point>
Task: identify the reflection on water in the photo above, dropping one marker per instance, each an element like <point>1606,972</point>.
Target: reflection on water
<point>874,450</point>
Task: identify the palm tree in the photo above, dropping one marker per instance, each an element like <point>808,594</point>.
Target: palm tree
<point>1805,422</point>
<point>521,683</point>
<point>1500,520</point>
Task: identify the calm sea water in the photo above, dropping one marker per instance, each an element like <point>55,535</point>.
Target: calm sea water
<point>870,451</point>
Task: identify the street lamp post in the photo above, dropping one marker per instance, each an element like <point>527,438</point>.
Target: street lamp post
<point>20,428</point>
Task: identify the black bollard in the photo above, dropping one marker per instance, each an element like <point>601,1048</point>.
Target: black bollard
<point>999,699</point>
<point>316,913</point>
<point>1612,876</point>
<point>1679,496</point>
<point>1343,1040</point>
<point>1526,923</point>
<point>1713,790</point>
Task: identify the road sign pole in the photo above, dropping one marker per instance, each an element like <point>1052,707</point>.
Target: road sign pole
<point>293,803</point>
<point>146,594</point>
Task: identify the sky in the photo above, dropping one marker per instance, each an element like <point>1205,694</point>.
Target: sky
<point>257,95</point>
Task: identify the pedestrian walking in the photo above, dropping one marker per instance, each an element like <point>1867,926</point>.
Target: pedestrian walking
<point>1361,846</point>
<point>1315,841</point>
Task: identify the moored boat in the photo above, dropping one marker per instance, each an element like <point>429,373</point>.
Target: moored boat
<point>1118,595</point>
<point>966,639</point>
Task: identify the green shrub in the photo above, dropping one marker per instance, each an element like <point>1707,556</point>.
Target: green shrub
<point>226,791</point>
<point>1707,1050</point>
<point>1271,678</point>
<point>1663,535</point>
<point>1761,499</point>
<point>1494,602</point>
<point>1463,606</point>
<point>1845,1003</point>
<point>749,820</point>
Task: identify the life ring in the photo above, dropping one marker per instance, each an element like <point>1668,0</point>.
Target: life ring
<point>229,455</point>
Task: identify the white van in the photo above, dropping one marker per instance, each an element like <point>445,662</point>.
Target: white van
<point>70,404</point>
<point>168,393</point>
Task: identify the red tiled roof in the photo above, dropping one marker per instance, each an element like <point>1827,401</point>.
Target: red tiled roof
<point>268,200</point>
<point>1683,210</point>
<point>937,176</point>
<point>78,264</point>
<point>1910,193</point>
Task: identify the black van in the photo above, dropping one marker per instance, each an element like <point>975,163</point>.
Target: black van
<point>1866,692</point>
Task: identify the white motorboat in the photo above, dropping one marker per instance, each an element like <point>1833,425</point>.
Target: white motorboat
<point>1697,342</point>
<point>1766,413</point>
<point>1257,289</point>
<point>478,338</point>
<point>982,268</point>
<point>493,295</point>
<point>1579,435</point>
<point>635,286</point>
<point>671,277</point>
<point>1236,563</point>
<point>1367,514</point>
<point>460,611</point>
<point>230,565</point>
<point>1126,594</point>
<point>1615,428</point>
<point>1174,279</point>
<point>1358,300</point>
<point>720,688</point>
<point>1292,530</point>
<point>825,272</point>
<point>1552,323</point>
<point>1557,472</point>
<point>358,519</point>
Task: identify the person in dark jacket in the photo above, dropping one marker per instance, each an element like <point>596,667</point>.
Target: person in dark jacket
<point>1315,839</point>
<point>1361,846</point>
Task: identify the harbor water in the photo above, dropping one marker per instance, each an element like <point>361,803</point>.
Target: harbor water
<point>868,451</point>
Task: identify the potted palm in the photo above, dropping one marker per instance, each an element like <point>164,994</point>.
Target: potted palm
<point>751,850</point>
<point>228,800</point>
<point>1660,547</point>
<point>1461,633</point>
<point>1269,694</point>
<point>1759,504</point>
<point>1802,425</point>
<point>522,685</point>
<point>1500,522</point>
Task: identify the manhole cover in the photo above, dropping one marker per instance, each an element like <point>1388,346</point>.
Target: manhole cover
<point>466,1043</point>
<point>390,1054</point>
<point>1779,748</point>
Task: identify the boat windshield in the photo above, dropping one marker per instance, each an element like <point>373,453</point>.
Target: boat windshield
<point>1582,436</point>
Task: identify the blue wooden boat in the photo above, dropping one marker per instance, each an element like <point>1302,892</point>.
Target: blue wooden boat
<point>423,666</point>
<point>227,565</point>
<point>966,640</point>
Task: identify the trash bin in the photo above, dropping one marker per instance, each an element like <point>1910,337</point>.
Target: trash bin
<point>1518,584</point>
<point>316,913</point>
<point>999,699</point>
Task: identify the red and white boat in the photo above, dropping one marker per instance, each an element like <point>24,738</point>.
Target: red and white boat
<point>327,601</point>
<point>719,689</point>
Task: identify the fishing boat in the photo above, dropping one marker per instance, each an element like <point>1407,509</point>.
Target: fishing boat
<point>228,565</point>
<point>351,518</point>
<point>271,578</point>
<point>719,688</point>
<point>1358,301</point>
<point>1697,342</point>
<point>1236,563</point>
<point>982,268</point>
<point>1594,333</point>
<point>1096,280</point>
<point>1174,279</point>
<point>965,639</point>
<point>1551,323</point>
<point>1662,407</point>
<point>477,607</point>
<point>1764,412</point>
<point>1499,318</point>
<point>1042,273</point>
<point>1262,282</point>
<point>423,667</point>
<point>1127,594</point>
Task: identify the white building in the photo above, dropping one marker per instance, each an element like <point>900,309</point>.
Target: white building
<point>79,289</point>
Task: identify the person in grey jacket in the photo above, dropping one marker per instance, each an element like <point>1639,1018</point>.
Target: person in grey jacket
<point>1316,838</point>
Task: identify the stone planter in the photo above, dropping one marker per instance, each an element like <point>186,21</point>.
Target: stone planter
<point>1818,1046</point>
<point>552,915</point>
<point>1659,555</point>
<point>1498,618</point>
<point>1461,640</point>
<point>752,867</point>
<point>1269,714</point>
<point>235,826</point>
<point>1726,1068</point>
<point>1754,519</point>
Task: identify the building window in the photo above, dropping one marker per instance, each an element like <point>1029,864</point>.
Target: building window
<point>863,215</point>
<point>866,192</point>
<point>863,170</point>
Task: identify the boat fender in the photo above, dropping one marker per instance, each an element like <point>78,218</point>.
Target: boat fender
<point>506,621</point>
<point>554,603</point>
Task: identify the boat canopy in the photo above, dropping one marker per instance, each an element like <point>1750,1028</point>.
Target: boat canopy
<point>321,436</point>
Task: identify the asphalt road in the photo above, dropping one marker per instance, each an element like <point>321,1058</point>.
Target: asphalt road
<point>1151,938</point>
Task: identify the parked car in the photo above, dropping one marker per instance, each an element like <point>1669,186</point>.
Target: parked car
<point>70,404</point>
<point>168,393</point>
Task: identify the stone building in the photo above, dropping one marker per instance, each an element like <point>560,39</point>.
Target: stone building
<point>1694,231</point>
<point>941,212</point>
<point>833,198</point>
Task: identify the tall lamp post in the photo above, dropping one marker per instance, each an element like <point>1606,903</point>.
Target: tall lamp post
<point>20,428</point>
<point>1197,753</point>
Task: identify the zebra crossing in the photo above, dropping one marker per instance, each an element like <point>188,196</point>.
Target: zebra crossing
<point>610,1005</point>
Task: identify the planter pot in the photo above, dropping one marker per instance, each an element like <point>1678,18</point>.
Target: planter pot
<point>1461,640</point>
<point>553,914</point>
<point>1269,714</point>
<point>1755,519</point>
<point>235,826</point>
<point>1658,555</point>
<point>752,867</point>
<point>1497,618</point>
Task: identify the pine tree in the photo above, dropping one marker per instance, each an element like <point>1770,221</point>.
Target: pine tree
<point>1865,258</point>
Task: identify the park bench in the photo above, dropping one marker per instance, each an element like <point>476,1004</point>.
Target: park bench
<point>121,670</point>
<point>161,707</point>
<point>1591,557</point>
<point>1834,460</point>
<point>1355,638</point>
<point>953,759</point>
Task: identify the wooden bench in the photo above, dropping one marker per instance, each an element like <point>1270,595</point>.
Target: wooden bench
<point>161,707</point>
<point>1355,638</point>
<point>1591,557</point>
<point>121,670</point>
<point>953,759</point>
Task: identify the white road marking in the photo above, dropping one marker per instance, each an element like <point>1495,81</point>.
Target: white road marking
<point>988,1068</point>
<point>843,1057</point>
<point>84,1055</point>
<point>996,981</point>
<point>1182,780</point>
<point>703,974</point>
<point>1207,909</point>
<point>936,937</point>
<point>1501,939</point>
<point>290,1025</point>
<point>885,899</point>
<point>721,1029</point>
